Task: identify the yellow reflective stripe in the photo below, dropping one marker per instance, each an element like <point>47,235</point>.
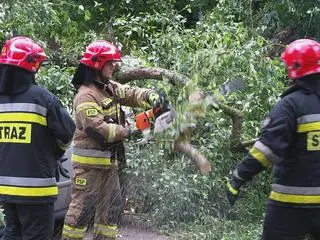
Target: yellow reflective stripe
<point>73,232</point>
<point>231,189</point>
<point>259,156</point>
<point>88,105</point>
<point>23,117</point>
<point>111,137</point>
<point>82,229</point>
<point>122,91</point>
<point>308,127</point>
<point>62,145</point>
<point>110,111</point>
<point>267,152</point>
<point>106,230</point>
<point>289,198</point>
<point>90,160</point>
<point>72,235</point>
<point>29,191</point>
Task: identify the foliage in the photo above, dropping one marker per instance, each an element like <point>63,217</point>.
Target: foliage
<point>135,31</point>
<point>57,80</point>
<point>217,50</point>
<point>220,229</point>
<point>302,17</point>
<point>212,42</point>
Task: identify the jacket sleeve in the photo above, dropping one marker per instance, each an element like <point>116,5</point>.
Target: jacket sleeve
<point>90,119</point>
<point>276,134</point>
<point>60,124</point>
<point>133,96</point>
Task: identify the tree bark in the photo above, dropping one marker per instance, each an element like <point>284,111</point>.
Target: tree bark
<point>127,75</point>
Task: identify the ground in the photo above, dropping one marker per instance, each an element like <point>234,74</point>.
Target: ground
<point>134,229</point>
<point>132,233</point>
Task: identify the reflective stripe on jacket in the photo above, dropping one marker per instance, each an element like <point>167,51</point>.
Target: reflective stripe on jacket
<point>33,128</point>
<point>290,141</point>
<point>91,157</point>
<point>100,120</point>
<point>28,187</point>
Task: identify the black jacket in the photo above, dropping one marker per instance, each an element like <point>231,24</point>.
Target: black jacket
<point>35,129</point>
<point>290,140</point>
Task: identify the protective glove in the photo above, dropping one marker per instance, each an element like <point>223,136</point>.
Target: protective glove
<point>159,103</point>
<point>153,98</point>
<point>234,185</point>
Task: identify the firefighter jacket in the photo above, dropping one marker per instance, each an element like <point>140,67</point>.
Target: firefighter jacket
<point>290,140</point>
<point>35,129</point>
<point>100,121</point>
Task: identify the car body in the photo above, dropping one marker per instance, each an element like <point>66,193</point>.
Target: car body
<point>62,203</point>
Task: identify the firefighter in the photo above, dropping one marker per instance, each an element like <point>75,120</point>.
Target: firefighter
<point>290,140</point>
<point>35,130</point>
<point>98,141</point>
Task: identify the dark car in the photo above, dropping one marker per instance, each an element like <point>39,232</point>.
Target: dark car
<point>64,185</point>
<point>62,203</point>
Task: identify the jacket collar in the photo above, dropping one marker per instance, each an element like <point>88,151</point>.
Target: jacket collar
<point>309,84</point>
<point>14,80</point>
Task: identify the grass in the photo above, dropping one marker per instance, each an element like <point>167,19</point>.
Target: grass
<point>219,229</point>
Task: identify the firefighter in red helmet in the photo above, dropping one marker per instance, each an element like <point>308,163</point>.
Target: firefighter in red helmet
<point>290,141</point>
<point>29,114</point>
<point>98,141</point>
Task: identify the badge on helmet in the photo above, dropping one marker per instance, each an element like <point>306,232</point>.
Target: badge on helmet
<point>98,53</point>
<point>23,52</point>
<point>302,57</point>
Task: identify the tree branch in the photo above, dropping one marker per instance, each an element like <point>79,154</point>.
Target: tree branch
<point>127,75</point>
<point>196,98</point>
<point>191,152</point>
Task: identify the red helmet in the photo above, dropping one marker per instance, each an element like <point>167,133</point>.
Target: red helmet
<point>302,57</point>
<point>98,53</point>
<point>22,52</point>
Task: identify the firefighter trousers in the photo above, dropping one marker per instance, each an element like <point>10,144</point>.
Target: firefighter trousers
<point>291,223</point>
<point>25,221</point>
<point>92,193</point>
<point>119,200</point>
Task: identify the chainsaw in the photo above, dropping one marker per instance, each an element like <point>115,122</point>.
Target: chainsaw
<point>158,120</point>
<point>154,121</point>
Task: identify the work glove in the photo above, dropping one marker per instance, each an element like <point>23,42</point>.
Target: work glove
<point>157,100</point>
<point>159,103</point>
<point>234,185</point>
<point>153,98</point>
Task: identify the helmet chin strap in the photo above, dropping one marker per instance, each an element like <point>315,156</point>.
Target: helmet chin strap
<point>102,81</point>
<point>103,78</point>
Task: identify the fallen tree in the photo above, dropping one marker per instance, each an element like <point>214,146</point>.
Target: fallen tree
<point>198,101</point>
